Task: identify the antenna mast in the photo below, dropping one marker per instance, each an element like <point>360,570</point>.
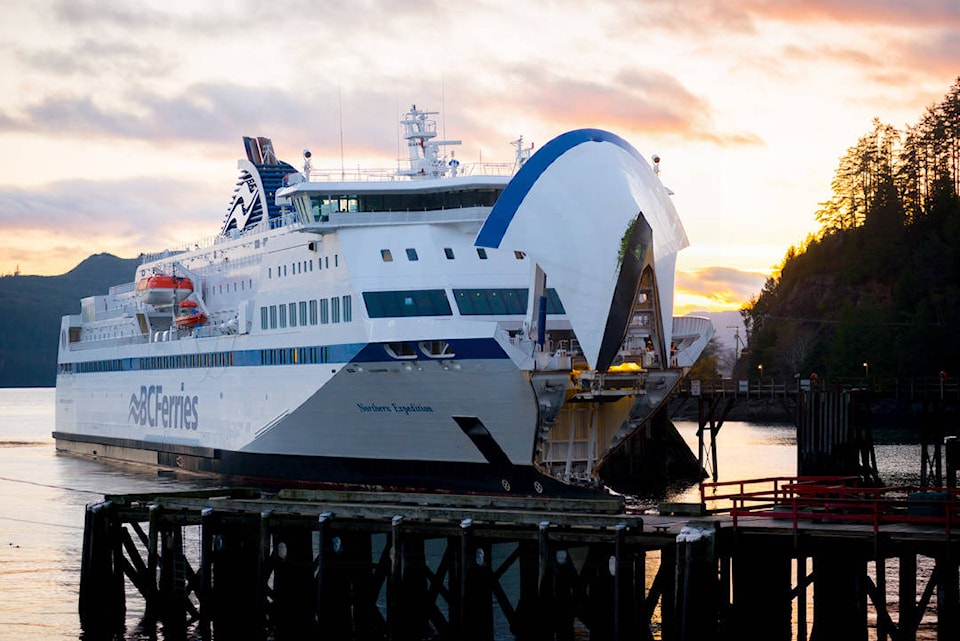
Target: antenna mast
<point>340,119</point>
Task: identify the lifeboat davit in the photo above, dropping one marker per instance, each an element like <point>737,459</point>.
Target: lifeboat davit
<point>162,290</point>
<point>189,314</point>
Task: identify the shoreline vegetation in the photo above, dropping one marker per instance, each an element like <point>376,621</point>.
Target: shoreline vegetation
<point>876,291</point>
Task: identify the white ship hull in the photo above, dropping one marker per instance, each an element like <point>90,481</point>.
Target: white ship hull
<point>350,338</point>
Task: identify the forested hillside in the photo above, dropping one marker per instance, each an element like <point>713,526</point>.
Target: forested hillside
<point>877,290</point>
<point>32,307</point>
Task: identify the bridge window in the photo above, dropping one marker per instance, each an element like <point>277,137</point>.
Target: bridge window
<point>322,205</point>
<point>482,253</point>
<point>412,254</point>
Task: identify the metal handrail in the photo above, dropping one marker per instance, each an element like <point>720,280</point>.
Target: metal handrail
<point>837,499</point>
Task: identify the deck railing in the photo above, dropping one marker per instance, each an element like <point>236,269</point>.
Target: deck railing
<point>914,388</point>
<point>837,499</point>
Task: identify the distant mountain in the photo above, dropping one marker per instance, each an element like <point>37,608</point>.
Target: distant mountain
<point>33,305</point>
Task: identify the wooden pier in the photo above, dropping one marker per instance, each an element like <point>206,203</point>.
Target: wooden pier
<point>241,564</point>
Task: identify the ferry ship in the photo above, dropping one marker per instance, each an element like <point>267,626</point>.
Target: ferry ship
<point>443,327</point>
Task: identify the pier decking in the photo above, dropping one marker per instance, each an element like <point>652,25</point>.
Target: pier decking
<point>305,564</point>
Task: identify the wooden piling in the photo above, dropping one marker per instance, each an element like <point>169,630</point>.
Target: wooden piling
<point>696,588</point>
<point>333,585</point>
<point>236,611</point>
<point>625,567</point>
<point>102,600</point>
<point>524,625</point>
<point>948,596</point>
<point>907,596</point>
<point>207,517</point>
<point>839,594</point>
<point>476,597</point>
<point>172,586</point>
<point>951,446</point>
<point>761,589</point>
<point>293,593</point>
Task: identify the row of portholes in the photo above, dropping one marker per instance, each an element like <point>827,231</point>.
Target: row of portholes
<point>243,285</point>
<point>302,266</point>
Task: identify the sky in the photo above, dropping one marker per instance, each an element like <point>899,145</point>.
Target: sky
<point>121,122</point>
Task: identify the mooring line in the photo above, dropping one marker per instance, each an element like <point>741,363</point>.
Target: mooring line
<point>32,522</point>
<point>55,487</point>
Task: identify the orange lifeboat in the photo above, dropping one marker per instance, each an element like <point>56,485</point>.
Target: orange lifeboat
<point>189,315</point>
<point>162,290</point>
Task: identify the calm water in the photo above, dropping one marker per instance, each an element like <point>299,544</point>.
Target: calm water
<point>42,499</point>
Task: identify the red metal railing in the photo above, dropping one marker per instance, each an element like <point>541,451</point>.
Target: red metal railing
<point>837,499</point>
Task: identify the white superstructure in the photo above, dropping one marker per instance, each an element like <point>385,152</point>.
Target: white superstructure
<point>448,328</point>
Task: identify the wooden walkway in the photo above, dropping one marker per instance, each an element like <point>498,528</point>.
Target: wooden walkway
<point>411,566</point>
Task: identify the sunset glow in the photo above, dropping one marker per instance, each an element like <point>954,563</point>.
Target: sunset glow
<point>121,122</point>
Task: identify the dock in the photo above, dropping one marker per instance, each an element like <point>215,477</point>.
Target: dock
<point>749,561</point>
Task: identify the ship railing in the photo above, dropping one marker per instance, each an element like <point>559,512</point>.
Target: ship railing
<point>285,220</point>
<point>113,341</point>
<point>391,175</point>
<point>228,264</point>
<point>363,219</point>
<point>92,314</point>
<point>125,288</point>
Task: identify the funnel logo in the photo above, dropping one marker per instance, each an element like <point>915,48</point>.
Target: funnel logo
<point>154,408</point>
<point>246,207</point>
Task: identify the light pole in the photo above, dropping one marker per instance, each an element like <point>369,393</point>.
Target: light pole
<point>760,367</point>
<point>866,370</point>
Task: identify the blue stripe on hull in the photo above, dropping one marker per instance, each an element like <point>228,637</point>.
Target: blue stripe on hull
<point>463,349</point>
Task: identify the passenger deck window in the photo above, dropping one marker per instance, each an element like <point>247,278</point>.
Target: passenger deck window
<point>400,304</point>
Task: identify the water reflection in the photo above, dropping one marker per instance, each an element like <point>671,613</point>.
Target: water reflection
<point>43,496</point>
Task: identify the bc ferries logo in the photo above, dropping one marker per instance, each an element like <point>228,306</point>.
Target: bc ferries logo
<point>246,203</point>
<point>154,408</point>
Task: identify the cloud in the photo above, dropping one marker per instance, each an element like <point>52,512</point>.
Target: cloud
<point>704,17</point>
<point>202,112</point>
<point>720,287</point>
<point>135,213</point>
<point>894,12</point>
<point>936,55</point>
<point>633,99</point>
<point>95,58</point>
